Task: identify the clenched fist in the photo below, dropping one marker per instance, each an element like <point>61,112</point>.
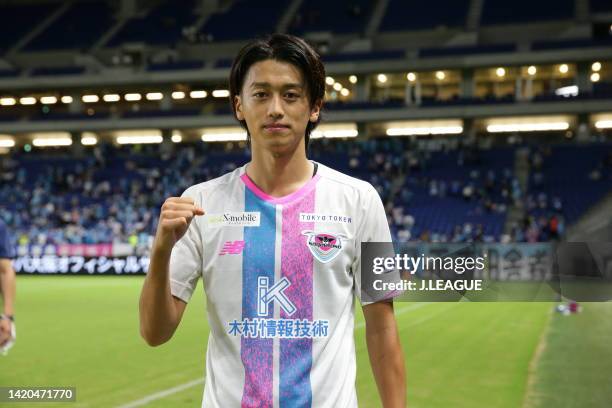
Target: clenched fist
<point>176,215</point>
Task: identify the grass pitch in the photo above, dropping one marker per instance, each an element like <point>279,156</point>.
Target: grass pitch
<point>83,332</point>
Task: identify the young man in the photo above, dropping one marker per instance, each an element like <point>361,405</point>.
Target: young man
<point>7,289</point>
<point>279,251</point>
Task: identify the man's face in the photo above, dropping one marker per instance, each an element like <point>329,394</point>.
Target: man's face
<point>275,105</point>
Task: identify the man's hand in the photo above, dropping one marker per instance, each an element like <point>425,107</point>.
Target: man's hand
<point>160,312</point>
<point>174,219</point>
<point>7,334</point>
<point>5,331</point>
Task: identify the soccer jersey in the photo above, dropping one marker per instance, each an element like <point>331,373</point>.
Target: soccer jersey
<point>280,275</point>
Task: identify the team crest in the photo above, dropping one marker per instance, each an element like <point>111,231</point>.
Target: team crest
<point>324,247</point>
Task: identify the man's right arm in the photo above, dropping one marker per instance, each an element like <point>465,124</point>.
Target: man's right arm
<point>7,289</point>
<point>160,312</point>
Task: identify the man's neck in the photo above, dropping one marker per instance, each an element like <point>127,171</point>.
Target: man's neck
<point>279,176</point>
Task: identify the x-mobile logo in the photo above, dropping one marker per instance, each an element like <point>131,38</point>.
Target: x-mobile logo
<point>232,248</point>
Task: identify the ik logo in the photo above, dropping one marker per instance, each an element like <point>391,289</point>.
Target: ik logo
<point>324,247</point>
<point>267,294</point>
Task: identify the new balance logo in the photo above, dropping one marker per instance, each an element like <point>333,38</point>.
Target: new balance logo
<point>232,248</point>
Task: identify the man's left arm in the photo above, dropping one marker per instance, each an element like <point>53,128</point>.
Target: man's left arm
<point>385,353</point>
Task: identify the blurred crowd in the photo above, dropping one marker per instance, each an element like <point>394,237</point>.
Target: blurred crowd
<point>110,196</point>
<point>113,195</point>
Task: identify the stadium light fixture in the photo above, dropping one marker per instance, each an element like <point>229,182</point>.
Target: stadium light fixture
<point>330,80</point>
<point>411,76</point>
<point>89,139</point>
<point>178,95</point>
<point>141,139</point>
<point>440,75</point>
<point>198,94</point>
<point>111,98</point>
<point>353,79</point>
<point>596,67</point>
<point>27,100</point>
<point>141,136</point>
<point>603,124</point>
<point>532,70</point>
<point>52,139</point>
<point>154,96</point>
<point>338,86</point>
<point>7,141</point>
<point>317,134</point>
<point>335,130</point>
<point>133,97</point>
<point>220,93</point>
<point>66,99</point>
<point>563,68</point>
<point>500,72</point>
<point>424,130</point>
<point>382,78</point>
<point>527,127</point>
<point>567,91</point>
<point>8,101</point>
<point>224,134</point>
<point>225,137</point>
<point>425,127</point>
<point>90,98</point>
<point>48,100</point>
<point>595,77</point>
<point>176,137</point>
<point>334,133</point>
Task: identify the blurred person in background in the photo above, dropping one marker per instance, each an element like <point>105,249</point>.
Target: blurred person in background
<point>7,289</point>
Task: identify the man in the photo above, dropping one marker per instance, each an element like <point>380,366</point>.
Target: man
<point>279,251</point>
<point>7,288</point>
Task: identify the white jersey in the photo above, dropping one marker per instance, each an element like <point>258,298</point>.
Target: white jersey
<point>280,275</point>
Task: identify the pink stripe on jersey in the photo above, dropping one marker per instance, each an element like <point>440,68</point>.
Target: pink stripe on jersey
<point>295,359</point>
<point>302,191</point>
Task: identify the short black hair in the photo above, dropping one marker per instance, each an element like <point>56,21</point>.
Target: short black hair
<point>286,48</point>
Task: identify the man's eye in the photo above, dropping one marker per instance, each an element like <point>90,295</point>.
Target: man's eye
<point>292,95</point>
<point>259,94</point>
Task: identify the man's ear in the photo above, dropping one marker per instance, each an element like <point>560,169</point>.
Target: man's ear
<point>316,110</point>
<point>238,107</point>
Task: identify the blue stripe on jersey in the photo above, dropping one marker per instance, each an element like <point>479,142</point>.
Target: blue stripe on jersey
<point>257,262</point>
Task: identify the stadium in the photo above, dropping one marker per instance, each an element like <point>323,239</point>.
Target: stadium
<point>476,121</point>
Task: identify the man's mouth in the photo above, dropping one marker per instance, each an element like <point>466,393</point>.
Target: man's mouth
<point>276,127</point>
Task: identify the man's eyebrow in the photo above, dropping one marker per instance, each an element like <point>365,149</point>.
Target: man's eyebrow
<point>268,85</point>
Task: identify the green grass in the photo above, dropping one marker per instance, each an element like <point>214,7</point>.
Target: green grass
<point>83,332</point>
<point>574,367</point>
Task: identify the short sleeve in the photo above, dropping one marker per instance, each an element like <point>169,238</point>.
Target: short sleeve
<point>186,259</point>
<point>374,228</point>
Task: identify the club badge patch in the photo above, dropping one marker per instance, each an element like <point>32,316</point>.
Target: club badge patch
<point>324,247</point>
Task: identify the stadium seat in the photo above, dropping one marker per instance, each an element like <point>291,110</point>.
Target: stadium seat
<point>525,11</point>
<point>79,28</point>
<point>407,15</point>
<point>163,25</point>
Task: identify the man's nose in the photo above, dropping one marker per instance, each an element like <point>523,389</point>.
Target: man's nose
<point>275,109</point>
